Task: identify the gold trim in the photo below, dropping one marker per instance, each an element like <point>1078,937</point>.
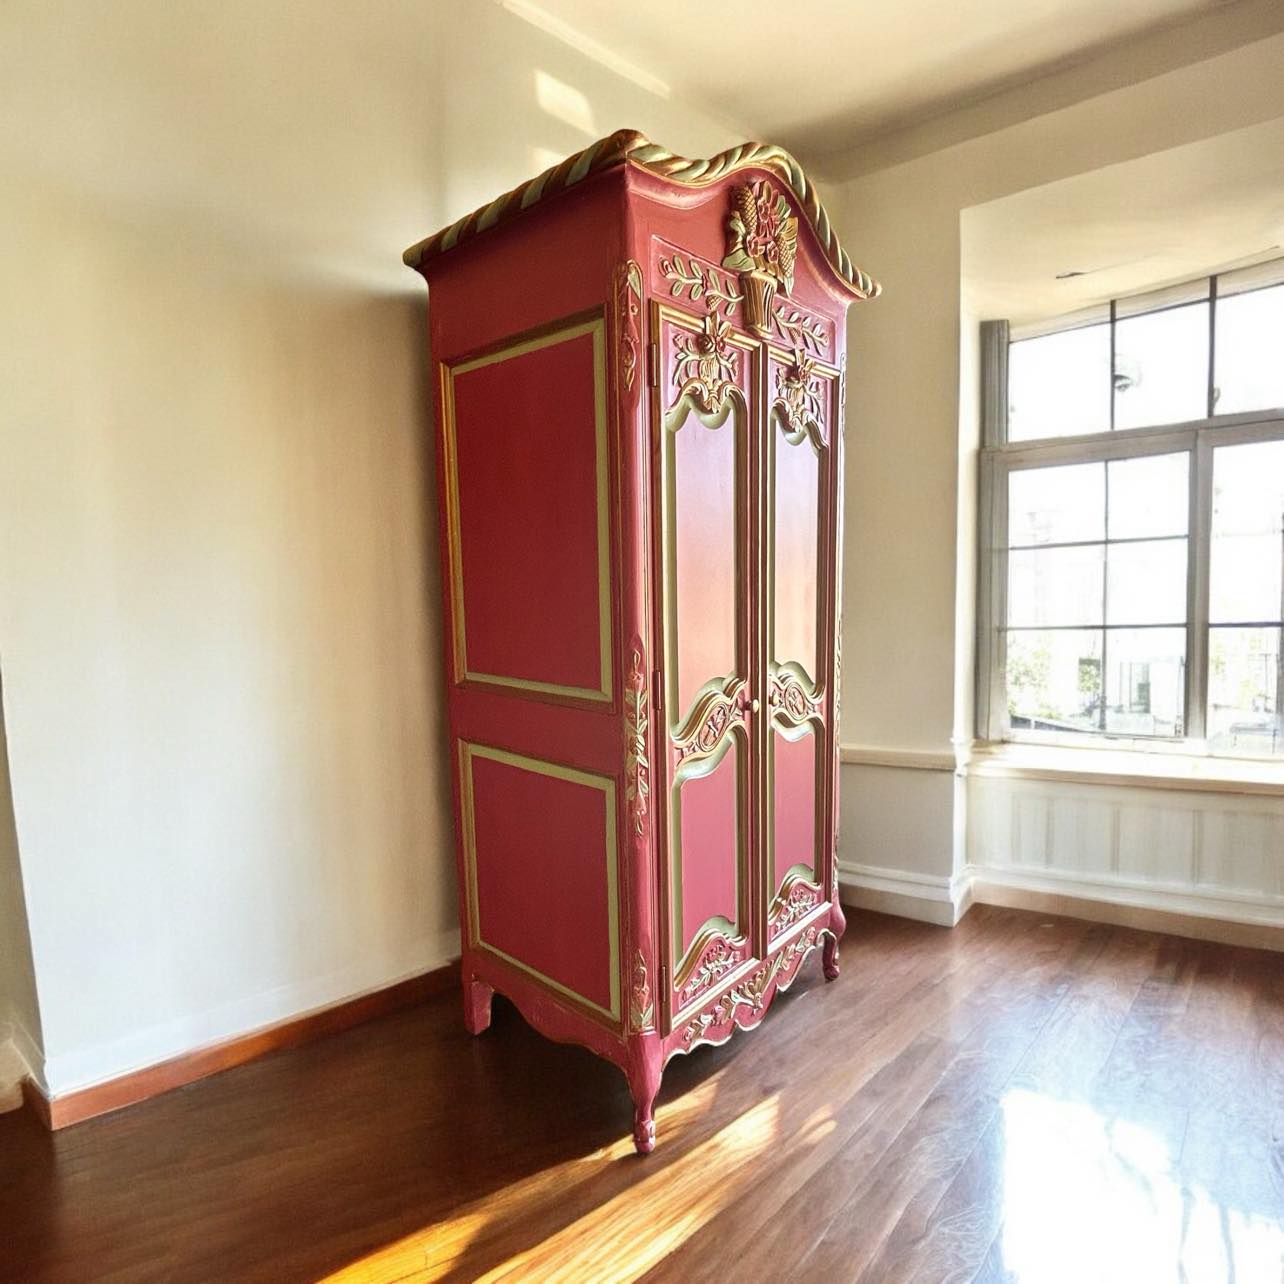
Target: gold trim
<point>629,147</point>
<point>532,341</point>
<point>468,750</point>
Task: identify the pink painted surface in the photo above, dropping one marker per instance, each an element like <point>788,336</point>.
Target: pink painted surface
<point>710,851</point>
<point>705,548</point>
<point>542,873</point>
<point>794,804</point>
<point>797,550</point>
<point>527,468</point>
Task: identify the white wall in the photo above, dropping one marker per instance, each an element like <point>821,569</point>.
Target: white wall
<point>218,631</point>
<point>910,520</point>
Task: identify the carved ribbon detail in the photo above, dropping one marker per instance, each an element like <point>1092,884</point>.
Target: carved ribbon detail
<point>712,716</point>
<point>787,695</point>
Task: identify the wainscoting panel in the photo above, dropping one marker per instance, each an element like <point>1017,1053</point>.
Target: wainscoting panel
<point>1213,854</point>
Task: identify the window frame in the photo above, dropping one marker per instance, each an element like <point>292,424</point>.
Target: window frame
<point>999,458</point>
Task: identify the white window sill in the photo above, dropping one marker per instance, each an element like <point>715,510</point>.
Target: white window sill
<point>1127,767</point>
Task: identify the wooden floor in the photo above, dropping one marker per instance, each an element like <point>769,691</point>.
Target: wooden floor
<point>1021,1098</point>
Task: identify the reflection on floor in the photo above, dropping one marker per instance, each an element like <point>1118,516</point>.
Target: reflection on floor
<point>1020,1099</point>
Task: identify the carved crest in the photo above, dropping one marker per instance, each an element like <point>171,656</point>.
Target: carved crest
<point>705,369</point>
<point>637,782</point>
<point>762,233</point>
<point>628,307</point>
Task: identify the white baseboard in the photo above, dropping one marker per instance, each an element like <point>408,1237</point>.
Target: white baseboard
<point>929,898</point>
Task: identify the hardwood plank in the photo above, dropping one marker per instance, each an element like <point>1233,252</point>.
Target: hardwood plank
<point>990,1102</point>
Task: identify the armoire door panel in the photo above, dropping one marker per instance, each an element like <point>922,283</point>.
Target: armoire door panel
<point>798,458</point>
<point>704,512</point>
<point>708,845</point>
<point>528,507</point>
<point>795,792</point>
<point>797,462</point>
<point>703,422</point>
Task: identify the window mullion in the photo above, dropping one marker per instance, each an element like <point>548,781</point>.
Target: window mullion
<point>1201,524</point>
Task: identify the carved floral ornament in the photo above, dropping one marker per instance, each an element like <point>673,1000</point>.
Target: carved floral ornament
<point>698,282</point>
<point>798,399</point>
<point>762,245</point>
<point>641,1002</point>
<point>628,306</point>
<point>706,367</point>
<point>753,993</point>
<point>637,782</point>
<point>717,960</point>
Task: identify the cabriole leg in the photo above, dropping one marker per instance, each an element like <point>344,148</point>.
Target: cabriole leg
<point>829,950</point>
<point>644,1084</point>
<point>477,996</point>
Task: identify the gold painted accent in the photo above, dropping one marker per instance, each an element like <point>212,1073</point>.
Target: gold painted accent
<point>800,329</point>
<point>752,993</point>
<point>637,771</point>
<point>705,366</point>
<point>695,280</point>
<point>798,896</point>
<point>641,1002</point>
<point>762,234</point>
<point>629,147</point>
<point>532,342</point>
<point>628,306</point>
<point>797,407</point>
<point>717,955</point>
<point>469,750</point>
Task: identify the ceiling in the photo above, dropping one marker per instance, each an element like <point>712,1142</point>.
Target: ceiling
<point>820,76</point>
<point>1157,220</point>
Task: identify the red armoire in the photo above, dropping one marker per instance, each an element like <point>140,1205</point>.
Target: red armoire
<point>638,364</point>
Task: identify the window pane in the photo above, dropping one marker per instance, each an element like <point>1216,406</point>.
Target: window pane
<point>1250,369</point>
<point>1243,691</point>
<point>1146,582</point>
<point>1149,496</point>
<point>1248,532</point>
<point>1059,384</point>
<point>1054,680</point>
<point>1145,681</point>
<point>1161,367</point>
<point>1057,586</point>
<point>1057,505</point>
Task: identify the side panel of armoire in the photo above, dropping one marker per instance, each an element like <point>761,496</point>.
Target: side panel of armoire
<point>533,368</point>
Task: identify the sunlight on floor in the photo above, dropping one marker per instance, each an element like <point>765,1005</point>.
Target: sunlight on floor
<point>1081,1189</point>
<point>619,1239</point>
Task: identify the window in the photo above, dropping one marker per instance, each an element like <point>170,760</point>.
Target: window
<point>1132,567</point>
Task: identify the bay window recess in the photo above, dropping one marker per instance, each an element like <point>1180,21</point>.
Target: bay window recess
<point>1131,584</point>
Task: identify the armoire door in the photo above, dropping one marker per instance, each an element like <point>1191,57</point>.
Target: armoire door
<point>703,419</point>
<point>802,407</point>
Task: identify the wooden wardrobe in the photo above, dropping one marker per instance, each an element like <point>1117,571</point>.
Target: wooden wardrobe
<point>639,387</point>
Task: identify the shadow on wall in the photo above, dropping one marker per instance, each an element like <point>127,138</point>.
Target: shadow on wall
<point>19,1007</point>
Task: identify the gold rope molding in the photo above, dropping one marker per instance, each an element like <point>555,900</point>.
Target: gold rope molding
<point>629,147</point>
